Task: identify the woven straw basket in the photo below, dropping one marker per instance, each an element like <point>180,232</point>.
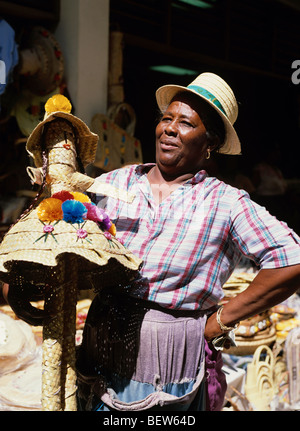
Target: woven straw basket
<point>247,346</point>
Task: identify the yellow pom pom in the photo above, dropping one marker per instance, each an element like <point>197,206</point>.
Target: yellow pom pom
<point>81,197</point>
<point>58,102</point>
<point>50,210</point>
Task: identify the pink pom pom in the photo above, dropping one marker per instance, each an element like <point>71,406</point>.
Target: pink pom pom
<point>93,212</point>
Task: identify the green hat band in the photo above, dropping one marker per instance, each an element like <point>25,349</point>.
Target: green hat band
<point>207,95</point>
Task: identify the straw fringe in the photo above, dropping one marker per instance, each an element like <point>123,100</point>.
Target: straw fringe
<point>100,261</point>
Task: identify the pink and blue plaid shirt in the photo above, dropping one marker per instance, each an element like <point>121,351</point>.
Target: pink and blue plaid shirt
<point>192,241</point>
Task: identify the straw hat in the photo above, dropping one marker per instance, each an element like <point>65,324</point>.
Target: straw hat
<point>58,106</point>
<point>29,110</point>
<point>218,94</point>
<point>48,74</point>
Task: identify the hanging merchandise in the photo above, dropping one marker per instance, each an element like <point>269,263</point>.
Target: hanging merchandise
<point>9,56</point>
<point>115,75</point>
<point>118,146</point>
<point>29,110</point>
<point>41,61</point>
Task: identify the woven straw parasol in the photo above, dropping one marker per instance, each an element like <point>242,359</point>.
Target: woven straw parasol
<point>63,244</point>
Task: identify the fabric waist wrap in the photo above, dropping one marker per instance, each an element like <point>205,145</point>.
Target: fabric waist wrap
<point>135,356</point>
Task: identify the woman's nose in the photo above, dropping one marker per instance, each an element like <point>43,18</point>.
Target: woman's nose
<point>171,128</point>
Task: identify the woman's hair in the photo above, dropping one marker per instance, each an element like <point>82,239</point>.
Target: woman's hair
<point>215,129</point>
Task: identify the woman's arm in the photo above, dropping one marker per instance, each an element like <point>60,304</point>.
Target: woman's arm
<point>269,287</point>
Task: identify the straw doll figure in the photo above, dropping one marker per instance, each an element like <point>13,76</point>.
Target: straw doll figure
<point>63,243</point>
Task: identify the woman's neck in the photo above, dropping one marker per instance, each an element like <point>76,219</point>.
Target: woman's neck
<point>156,176</point>
<point>163,185</point>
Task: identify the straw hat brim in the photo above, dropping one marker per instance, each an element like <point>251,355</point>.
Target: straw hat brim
<point>99,261</point>
<point>166,93</point>
<point>87,140</point>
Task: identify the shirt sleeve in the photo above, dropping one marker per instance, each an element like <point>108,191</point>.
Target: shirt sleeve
<point>270,243</point>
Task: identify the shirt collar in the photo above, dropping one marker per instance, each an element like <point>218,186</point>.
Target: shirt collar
<point>144,168</point>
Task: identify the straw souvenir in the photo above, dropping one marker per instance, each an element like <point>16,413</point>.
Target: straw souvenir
<point>63,244</point>
<point>259,384</point>
<point>252,332</point>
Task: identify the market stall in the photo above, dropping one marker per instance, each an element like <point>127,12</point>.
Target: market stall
<point>263,369</point>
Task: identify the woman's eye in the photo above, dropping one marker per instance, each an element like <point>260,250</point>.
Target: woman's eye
<point>187,123</point>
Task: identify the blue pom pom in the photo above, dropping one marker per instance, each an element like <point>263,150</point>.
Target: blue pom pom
<point>73,211</point>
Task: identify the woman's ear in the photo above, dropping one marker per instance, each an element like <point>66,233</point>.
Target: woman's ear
<point>214,141</point>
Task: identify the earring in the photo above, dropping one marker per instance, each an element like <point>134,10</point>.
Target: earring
<point>208,154</point>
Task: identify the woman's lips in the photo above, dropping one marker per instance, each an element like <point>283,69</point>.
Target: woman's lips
<point>166,145</point>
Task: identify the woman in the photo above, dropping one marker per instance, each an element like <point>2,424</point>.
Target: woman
<point>150,346</point>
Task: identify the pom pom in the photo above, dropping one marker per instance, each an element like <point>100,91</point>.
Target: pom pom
<point>63,195</point>
<point>99,215</point>
<point>81,197</point>
<point>58,102</point>
<point>73,211</point>
<point>93,212</point>
<point>106,223</point>
<point>50,209</point>
<point>112,229</point>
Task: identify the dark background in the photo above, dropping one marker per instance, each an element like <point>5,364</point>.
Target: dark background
<point>251,44</point>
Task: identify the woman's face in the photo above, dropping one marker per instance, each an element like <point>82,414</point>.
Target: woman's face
<point>181,141</point>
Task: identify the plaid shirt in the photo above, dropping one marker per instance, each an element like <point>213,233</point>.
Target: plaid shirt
<point>192,241</point>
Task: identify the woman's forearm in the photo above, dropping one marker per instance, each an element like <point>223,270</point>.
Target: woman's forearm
<point>269,287</point>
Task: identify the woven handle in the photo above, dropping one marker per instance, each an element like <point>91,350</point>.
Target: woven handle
<point>58,373</point>
<point>269,359</point>
<point>258,367</point>
<point>52,349</point>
